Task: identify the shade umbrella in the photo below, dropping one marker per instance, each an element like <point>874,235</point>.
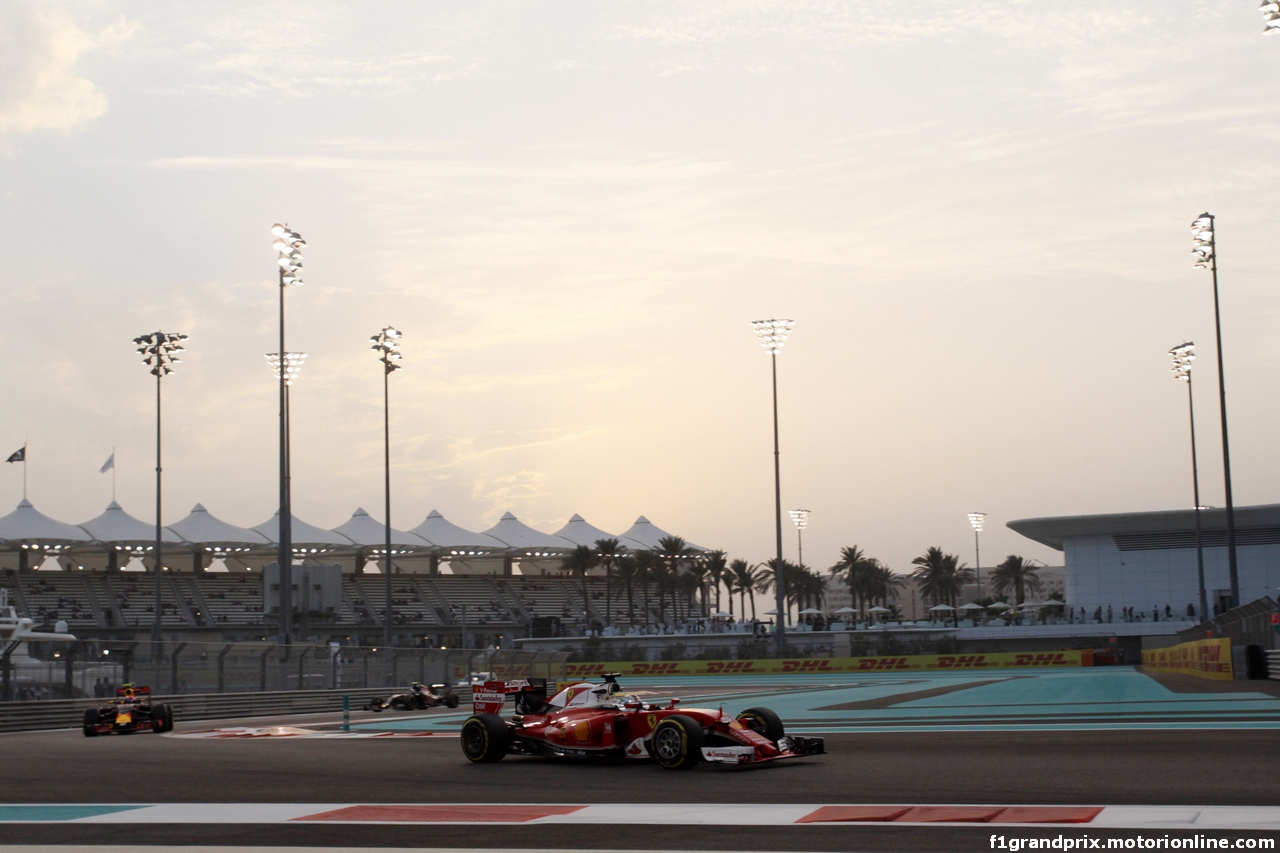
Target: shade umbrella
<point>971,606</point>
<point>847,610</point>
<point>771,613</point>
<point>810,611</point>
<point>878,609</point>
<point>1052,602</point>
<point>1030,604</point>
<point>720,614</point>
<point>939,607</point>
<point>1000,605</point>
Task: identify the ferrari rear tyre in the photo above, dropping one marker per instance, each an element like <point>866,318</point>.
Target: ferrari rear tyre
<point>91,722</point>
<point>677,742</point>
<point>451,701</point>
<point>762,721</point>
<point>485,738</point>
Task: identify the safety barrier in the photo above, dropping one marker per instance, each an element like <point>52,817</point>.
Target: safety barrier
<point>69,713</point>
<point>1202,658</point>
<point>1273,665</point>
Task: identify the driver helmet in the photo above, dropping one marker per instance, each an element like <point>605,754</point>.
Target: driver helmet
<point>128,690</point>
<point>417,685</point>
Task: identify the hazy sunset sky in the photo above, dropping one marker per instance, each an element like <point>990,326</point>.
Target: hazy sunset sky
<point>976,212</point>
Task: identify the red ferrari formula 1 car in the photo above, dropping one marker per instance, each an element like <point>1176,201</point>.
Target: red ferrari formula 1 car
<point>130,711</point>
<point>597,720</point>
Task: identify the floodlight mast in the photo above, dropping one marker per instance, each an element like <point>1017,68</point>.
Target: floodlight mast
<point>288,245</point>
<point>387,344</point>
<point>159,352</point>
<point>772,334</point>
<point>1183,355</point>
<point>1205,249</point>
<point>976,520</point>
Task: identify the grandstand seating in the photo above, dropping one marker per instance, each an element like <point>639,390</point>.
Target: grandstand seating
<point>52,596</point>
<point>135,600</point>
<point>231,599</point>
<point>485,599</point>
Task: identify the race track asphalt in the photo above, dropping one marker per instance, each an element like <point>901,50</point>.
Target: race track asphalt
<point>1177,767</point>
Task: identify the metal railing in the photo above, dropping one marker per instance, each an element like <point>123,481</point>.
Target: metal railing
<point>92,668</point>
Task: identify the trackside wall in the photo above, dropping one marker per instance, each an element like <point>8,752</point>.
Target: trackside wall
<point>1201,658</point>
<point>996,660</point>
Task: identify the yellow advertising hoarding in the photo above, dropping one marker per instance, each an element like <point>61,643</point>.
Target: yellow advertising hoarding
<point>904,663</point>
<point>1202,658</point>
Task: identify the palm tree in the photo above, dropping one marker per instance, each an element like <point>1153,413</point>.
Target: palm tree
<point>579,561</point>
<point>608,552</point>
<point>629,572</point>
<point>1017,574</point>
<point>745,578</point>
<point>648,568</point>
<point>886,584</point>
<point>941,576</point>
<point>859,572</point>
<point>717,572</point>
<point>673,552</point>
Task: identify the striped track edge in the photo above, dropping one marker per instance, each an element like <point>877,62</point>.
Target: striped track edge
<point>713,814</point>
<point>289,731</point>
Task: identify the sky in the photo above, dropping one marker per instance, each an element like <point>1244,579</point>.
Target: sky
<point>977,214</point>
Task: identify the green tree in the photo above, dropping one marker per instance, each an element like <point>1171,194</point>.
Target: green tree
<point>859,572</point>
<point>941,576</point>
<point>580,561</point>
<point>1015,574</point>
<point>674,553</point>
<point>608,552</point>
<point>745,581</point>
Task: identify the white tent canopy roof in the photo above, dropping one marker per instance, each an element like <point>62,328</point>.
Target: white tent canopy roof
<point>363,530</point>
<point>516,534</point>
<point>202,528</point>
<point>649,535</point>
<point>580,532</point>
<point>302,534</point>
<point>446,535</point>
<point>117,526</point>
<point>27,524</point>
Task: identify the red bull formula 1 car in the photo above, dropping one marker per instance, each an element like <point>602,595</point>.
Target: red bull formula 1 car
<point>131,711</point>
<point>596,720</point>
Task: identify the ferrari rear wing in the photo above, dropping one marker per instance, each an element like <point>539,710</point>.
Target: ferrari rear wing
<point>488,698</point>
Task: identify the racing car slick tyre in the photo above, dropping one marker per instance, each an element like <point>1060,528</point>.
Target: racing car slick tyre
<point>163,715</point>
<point>375,705</point>
<point>677,742</point>
<point>90,722</point>
<point>451,701</point>
<point>485,738</point>
<point>764,722</point>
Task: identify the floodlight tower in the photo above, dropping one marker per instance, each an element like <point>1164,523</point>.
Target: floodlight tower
<point>772,334</point>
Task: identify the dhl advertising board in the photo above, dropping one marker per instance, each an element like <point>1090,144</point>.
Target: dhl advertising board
<point>1203,658</point>
<point>905,663</point>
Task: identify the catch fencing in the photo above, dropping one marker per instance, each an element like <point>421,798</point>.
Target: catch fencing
<point>86,668</point>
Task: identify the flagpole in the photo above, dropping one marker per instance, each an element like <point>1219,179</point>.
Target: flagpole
<point>24,470</point>
<point>113,475</point>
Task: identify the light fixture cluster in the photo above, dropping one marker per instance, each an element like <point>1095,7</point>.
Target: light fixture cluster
<point>159,351</point>
<point>977,519</point>
<point>393,551</point>
<point>1202,240</point>
<point>288,245</point>
<point>1183,355</point>
<point>38,547</point>
<point>387,342</point>
<point>293,362</point>
<point>220,551</point>
<point>1270,10</point>
<point>467,553</point>
<point>135,549</point>
<point>800,517</point>
<point>540,554</point>
<point>772,333</point>
<point>312,550</point>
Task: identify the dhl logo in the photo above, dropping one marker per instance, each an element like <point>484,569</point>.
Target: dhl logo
<point>807,666</point>
<point>671,668</point>
<point>883,664</point>
<point>1043,659</point>
<point>717,667</point>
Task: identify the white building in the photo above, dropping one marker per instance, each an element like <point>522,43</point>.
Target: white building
<point>1147,560</point>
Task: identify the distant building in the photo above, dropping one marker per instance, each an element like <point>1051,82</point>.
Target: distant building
<point>1147,560</point>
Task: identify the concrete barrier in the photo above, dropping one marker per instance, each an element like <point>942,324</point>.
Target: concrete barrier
<point>69,713</point>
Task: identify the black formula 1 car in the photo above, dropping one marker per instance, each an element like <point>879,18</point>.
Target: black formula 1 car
<point>131,711</point>
<point>415,700</point>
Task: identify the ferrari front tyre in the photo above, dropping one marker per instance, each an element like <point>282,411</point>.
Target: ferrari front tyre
<point>677,742</point>
<point>451,701</point>
<point>91,722</point>
<point>763,721</point>
<point>485,738</point>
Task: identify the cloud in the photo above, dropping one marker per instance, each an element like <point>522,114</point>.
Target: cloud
<point>40,89</point>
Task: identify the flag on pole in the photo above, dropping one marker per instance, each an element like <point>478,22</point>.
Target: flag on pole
<point>109,464</point>
<point>19,455</point>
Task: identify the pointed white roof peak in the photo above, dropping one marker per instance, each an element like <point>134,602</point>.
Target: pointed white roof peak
<point>651,535</point>
<point>27,524</point>
<point>201,527</point>
<point>116,525</point>
<point>454,540</point>
<point>301,533</point>
<point>364,530</point>
<point>580,532</point>
<point>516,534</point>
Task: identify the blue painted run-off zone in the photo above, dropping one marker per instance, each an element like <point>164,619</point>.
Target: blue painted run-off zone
<point>45,814</point>
<point>990,700</point>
